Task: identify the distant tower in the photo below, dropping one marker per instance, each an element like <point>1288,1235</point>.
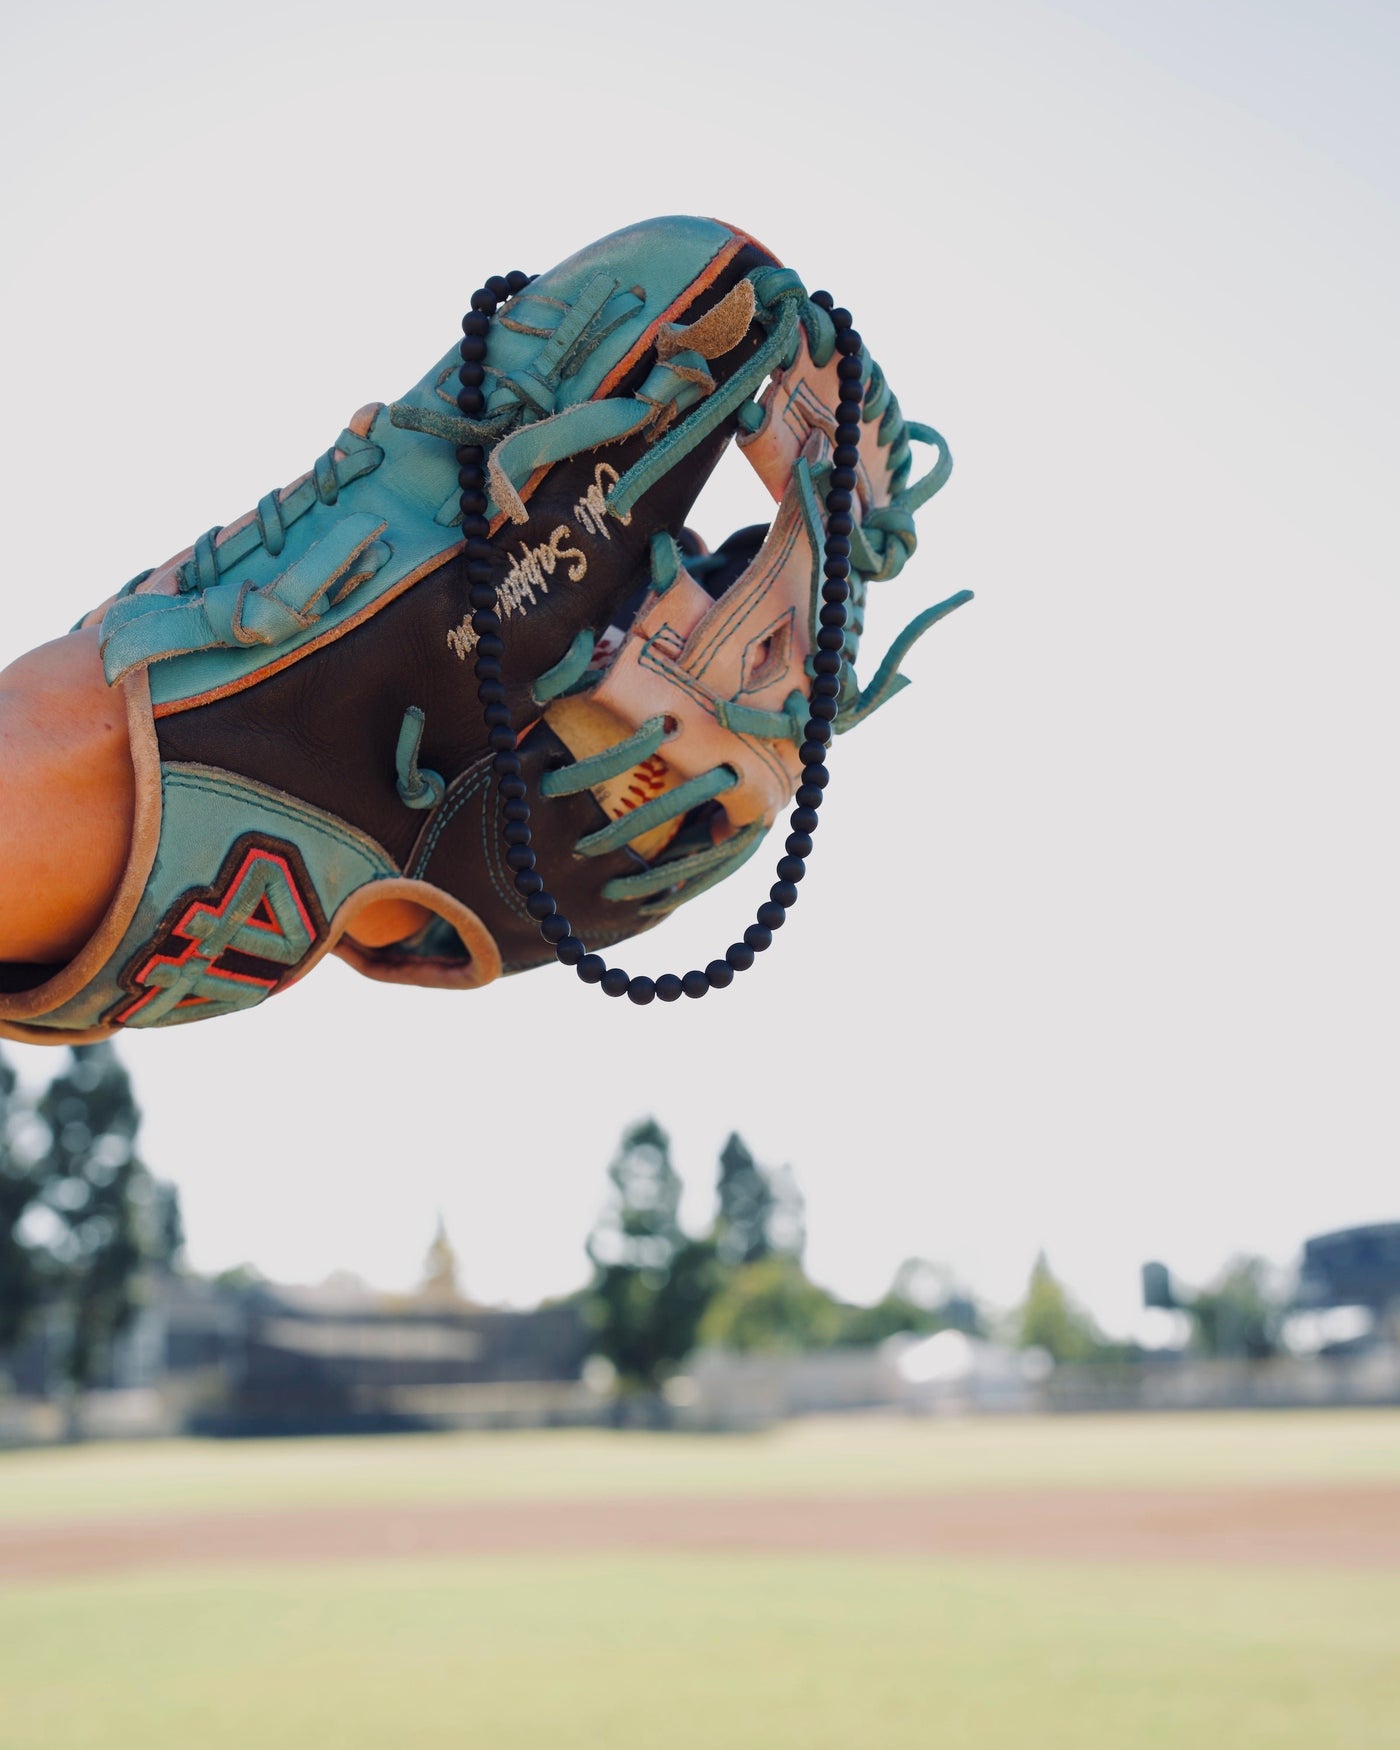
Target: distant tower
<point>440,1269</point>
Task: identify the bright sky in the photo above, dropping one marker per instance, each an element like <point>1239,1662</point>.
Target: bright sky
<point>1100,951</point>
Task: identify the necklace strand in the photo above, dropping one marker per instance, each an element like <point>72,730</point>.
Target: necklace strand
<point>490,649</point>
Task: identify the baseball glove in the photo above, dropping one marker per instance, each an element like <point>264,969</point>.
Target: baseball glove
<point>474,662</point>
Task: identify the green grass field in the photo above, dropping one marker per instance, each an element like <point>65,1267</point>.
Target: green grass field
<point>814,1457</point>
<point>743,1652</point>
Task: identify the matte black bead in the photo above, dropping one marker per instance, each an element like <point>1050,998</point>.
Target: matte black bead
<point>836,546</point>
<point>471,479</point>
<point>470,456</point>
<point>488,668</point>
<point>480,576</point>
<point>470,401</point>
<point>803,820</point>
<point>482,597</point>
<point>739,955</point>
<point>470,374</point>
<point>497,716</point>
<point>591,968</point>
<point>826,686</point>
<point>846,434</point>
<point>836,589</point>
<point>848,370</point>
<point>719,974</point>
<point>517,832</point>
<point>758,937</point>
<point>840,524</point>
<point>849,343</point>
<point>799,844</point>
<point>640,990</point>
<point>491,645</point>
<point>790,870</point>
<point>771,915</point>
<point>839,499</point>
<point>492,693</point>
<point>479,551</point>
<point>814,774</point>
<point>668,987</point>
<point>830,638</point>
<point>783,893</point>
<point>485,301</point>
<point>512,788</point>
<point>475,323</point>
<point>809,797</point>
<point>520,857</point>
<point>846,456</point>
<point>569,951</point>
<point>486,622</point>
<point>615,982</point>
<point>825,299</point>
<point>498,287</point>
<point>516,808</point>
<point>823,709</point>
<point>472,348</point>
<point>501,739</point>
<point>473,503</point>
<point>541,907</point>
<point>833,614</point>
<point>843,479</point>
<point>695,984</point>
<point>817,732</point>
<point>842,318</point>
<point>555,927</point>
<point>827,662</point>
<point>475,525</point>
<point>517,281</point>
<point>528,882</point>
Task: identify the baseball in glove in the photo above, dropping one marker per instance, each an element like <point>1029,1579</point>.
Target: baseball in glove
<point>474,661</point>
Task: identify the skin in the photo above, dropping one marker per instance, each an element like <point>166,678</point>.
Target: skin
<point>67,800</point>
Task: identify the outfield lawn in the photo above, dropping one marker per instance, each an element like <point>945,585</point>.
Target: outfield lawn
<point>822,1457</point>
<point>698,1653</point>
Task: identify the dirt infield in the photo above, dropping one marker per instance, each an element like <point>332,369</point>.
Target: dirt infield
<point>1312,1526</point>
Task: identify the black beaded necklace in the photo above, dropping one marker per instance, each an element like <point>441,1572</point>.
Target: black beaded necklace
<point>490,649</point>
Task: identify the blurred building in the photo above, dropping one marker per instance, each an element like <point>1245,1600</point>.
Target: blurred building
<point>251,1357</point>
<point>1356,1269</point>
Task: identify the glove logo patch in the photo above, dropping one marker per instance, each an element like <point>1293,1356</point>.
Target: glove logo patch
<point>226,947</point>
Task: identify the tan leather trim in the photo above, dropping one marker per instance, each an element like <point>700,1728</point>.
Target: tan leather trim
<point>701,283</point>
<point>23,1035</point>
<point>141,855</point>
<point>379,963</point>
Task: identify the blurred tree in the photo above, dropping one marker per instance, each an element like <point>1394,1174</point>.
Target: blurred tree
<point>770,1305</point>
<point>21,1289</point>
<point>1050,1319</point>
<point>99,1217</point>
<point>651,1282</point>
<point>1242,1315</point>
<point>921,1299</point>
<point>745,1205</point>
<point>760,1209</point>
